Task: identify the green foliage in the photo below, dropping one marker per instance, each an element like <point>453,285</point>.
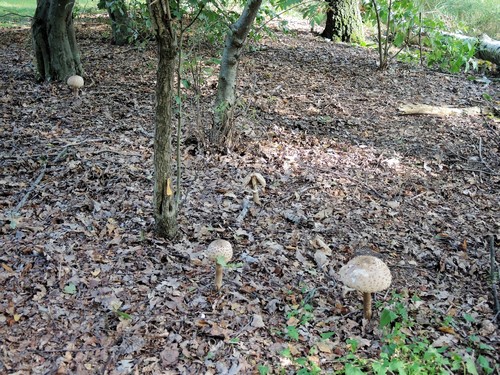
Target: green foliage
<point>448,53</point>
<point>133,19</point>
<point>479,16</point>
<point>70,289</point>
<point>402,349</point>
<point>403,22</point>
<point>403,352</point>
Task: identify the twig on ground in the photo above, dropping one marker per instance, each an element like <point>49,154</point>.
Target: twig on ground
<point>244,210</point>
<point>42,351</point>
<point>24,199</point>
<point>478,171</point>
<point>15,14</point>
<point>481,155</point>
<point>360,183</point>
<point>494,275</point>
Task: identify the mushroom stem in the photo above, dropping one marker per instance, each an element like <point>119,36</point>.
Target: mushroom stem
<point>367,305</point>
<point>255,191</point>
<point>218,276</point>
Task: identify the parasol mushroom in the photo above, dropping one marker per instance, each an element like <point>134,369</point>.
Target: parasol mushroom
<point>367,274</point>
<point>216,250</point>
<point>75,82</point>
<point>253,180</point>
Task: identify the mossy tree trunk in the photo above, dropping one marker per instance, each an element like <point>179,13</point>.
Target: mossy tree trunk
<point>165,200</point>
<point>120,20</point>
<point>221,134</point>
<point>343,21</point>
<point>54,41</point>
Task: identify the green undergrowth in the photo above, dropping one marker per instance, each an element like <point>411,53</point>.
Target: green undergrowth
<point>17,13</point>
<point>480,16</point>
<point>404,346</point>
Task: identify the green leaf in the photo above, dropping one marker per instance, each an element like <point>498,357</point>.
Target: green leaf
<point>70,288</point>
<point>263,370</point>
<point>487,97</point>
<point>399,39</point>
<point>221,260</point>
<point>185,83</point>
<point>387,317</point>
<point>485,365</point>
<point>351,370</point>
<point>292,332</point>
<point>286,353</point>
<point>327,335</point>
<point>123,315</point>
<point>470,366</point>
<point>234,340</point>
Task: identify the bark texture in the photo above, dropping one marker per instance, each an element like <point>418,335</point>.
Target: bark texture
<point>120,21</point>
<point>165,200</point>
<point>54,42</point>
<point>343,21</point>
<point>226,89</point>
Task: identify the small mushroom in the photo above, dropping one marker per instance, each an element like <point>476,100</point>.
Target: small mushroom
<point>75,82</point>
<point>253,180</point>
<point>367,274</point>
<point>216,249</point>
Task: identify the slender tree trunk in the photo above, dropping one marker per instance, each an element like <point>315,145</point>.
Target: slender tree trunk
<point>165,200</point>
<point>226,89</point>
<point>120,21</point>
<point>343,21</point>
<point>56,50</point>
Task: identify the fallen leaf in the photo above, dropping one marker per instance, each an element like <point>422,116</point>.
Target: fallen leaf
<point>257,321</point>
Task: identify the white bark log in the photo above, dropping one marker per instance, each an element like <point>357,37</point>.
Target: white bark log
<point>486,48</point>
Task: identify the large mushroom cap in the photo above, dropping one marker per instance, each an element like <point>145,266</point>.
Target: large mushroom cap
<point>366,273</point>
<point>75,82</point>
<point>219,248</point>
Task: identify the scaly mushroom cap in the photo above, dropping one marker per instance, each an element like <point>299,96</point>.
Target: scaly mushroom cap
<point>75,82</point>
<point>367,274</point>
<point>219,248</point>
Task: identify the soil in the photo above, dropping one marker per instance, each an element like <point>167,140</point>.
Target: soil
<point>87,288</point>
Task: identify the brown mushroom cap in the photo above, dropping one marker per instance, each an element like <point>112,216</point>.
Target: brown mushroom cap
<point>366,273</point>
<point>259,179</point>
<point>75,82</point>
<point>219,248</point>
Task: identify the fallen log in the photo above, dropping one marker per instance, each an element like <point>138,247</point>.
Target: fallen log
<point>486,48</point>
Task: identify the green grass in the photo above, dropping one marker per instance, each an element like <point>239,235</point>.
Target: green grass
<point>15,13</point>
<point>478,16</point>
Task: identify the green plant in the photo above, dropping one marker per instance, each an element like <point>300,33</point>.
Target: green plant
<point>402,24</point>
<point>448,53</point>
<point>404,352</point>
<point>396,22</point>
<point>478,16</point>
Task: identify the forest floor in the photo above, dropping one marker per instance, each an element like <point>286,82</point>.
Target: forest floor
<point>86,287</point>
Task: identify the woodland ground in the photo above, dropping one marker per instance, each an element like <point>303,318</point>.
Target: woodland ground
<point>322,125</point>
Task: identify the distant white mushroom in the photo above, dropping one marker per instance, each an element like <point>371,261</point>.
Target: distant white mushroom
<point>75,82</point>
<point>253,180</point>
<point>367,274</point>
<point>217,249</point>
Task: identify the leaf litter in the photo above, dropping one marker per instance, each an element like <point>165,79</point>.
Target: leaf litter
<point>87,288</point>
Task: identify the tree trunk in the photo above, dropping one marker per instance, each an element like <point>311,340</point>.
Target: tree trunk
<point>120,21</point>
<point>165,201</point>
<point>56,51</point>
<point>226,90</point>
<point>343,21</point>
